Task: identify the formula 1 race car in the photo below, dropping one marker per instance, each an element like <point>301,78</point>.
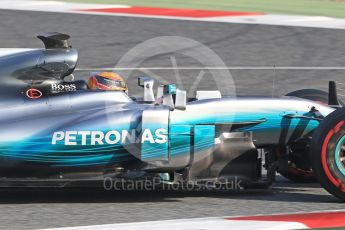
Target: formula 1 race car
<point>59,133</point>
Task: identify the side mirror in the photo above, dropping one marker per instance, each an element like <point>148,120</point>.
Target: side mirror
<point>174,97</point>
<point>147,83</point>
<point>160,92</point>
<point>168,92</point>
<point>181,99</point>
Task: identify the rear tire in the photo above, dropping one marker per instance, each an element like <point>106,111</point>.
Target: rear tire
<point>328,152</point>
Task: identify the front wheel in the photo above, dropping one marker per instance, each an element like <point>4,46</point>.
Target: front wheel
<point>328,153</point>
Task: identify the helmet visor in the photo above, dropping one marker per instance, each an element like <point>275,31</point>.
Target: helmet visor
<point>110,83</point>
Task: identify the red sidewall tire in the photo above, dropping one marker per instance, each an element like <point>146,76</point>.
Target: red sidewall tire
<point>322,154</point>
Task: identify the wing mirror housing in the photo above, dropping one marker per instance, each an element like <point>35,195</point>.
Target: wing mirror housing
<point>169,92</point>
<point>181,99</point>
<point>169,89</point>
<point>147,83</point>
<point>174,97</point>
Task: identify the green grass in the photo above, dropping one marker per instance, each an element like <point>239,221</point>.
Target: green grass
<point>332,8</point>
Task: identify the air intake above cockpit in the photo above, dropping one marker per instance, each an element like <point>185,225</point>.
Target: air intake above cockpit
<point>55,40</point>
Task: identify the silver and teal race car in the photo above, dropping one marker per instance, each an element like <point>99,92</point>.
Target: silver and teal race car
<point>55,132</point>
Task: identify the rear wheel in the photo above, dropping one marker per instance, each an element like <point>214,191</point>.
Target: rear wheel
<point>328,153</point>
<point>299,168</point>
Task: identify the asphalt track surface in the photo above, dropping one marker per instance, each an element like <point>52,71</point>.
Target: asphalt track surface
<point>103,40</point>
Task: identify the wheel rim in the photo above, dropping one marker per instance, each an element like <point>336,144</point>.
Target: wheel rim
<point>340,155</point>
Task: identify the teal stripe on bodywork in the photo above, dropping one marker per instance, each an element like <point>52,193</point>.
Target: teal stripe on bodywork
<point>274,120</point>
<point>180,139</point>
<point>204,136</point>
<point>39,149</point>
<point>154,151</point>
<point>274,123</point>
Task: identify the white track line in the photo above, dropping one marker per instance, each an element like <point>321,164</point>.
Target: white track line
<point>195,224</point>
<point>53,6</point>
<point>217,68</point>
<point>208,223</point>
<point>285,20</point>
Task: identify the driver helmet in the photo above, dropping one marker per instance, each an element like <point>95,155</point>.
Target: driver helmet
<point>107,81</point>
